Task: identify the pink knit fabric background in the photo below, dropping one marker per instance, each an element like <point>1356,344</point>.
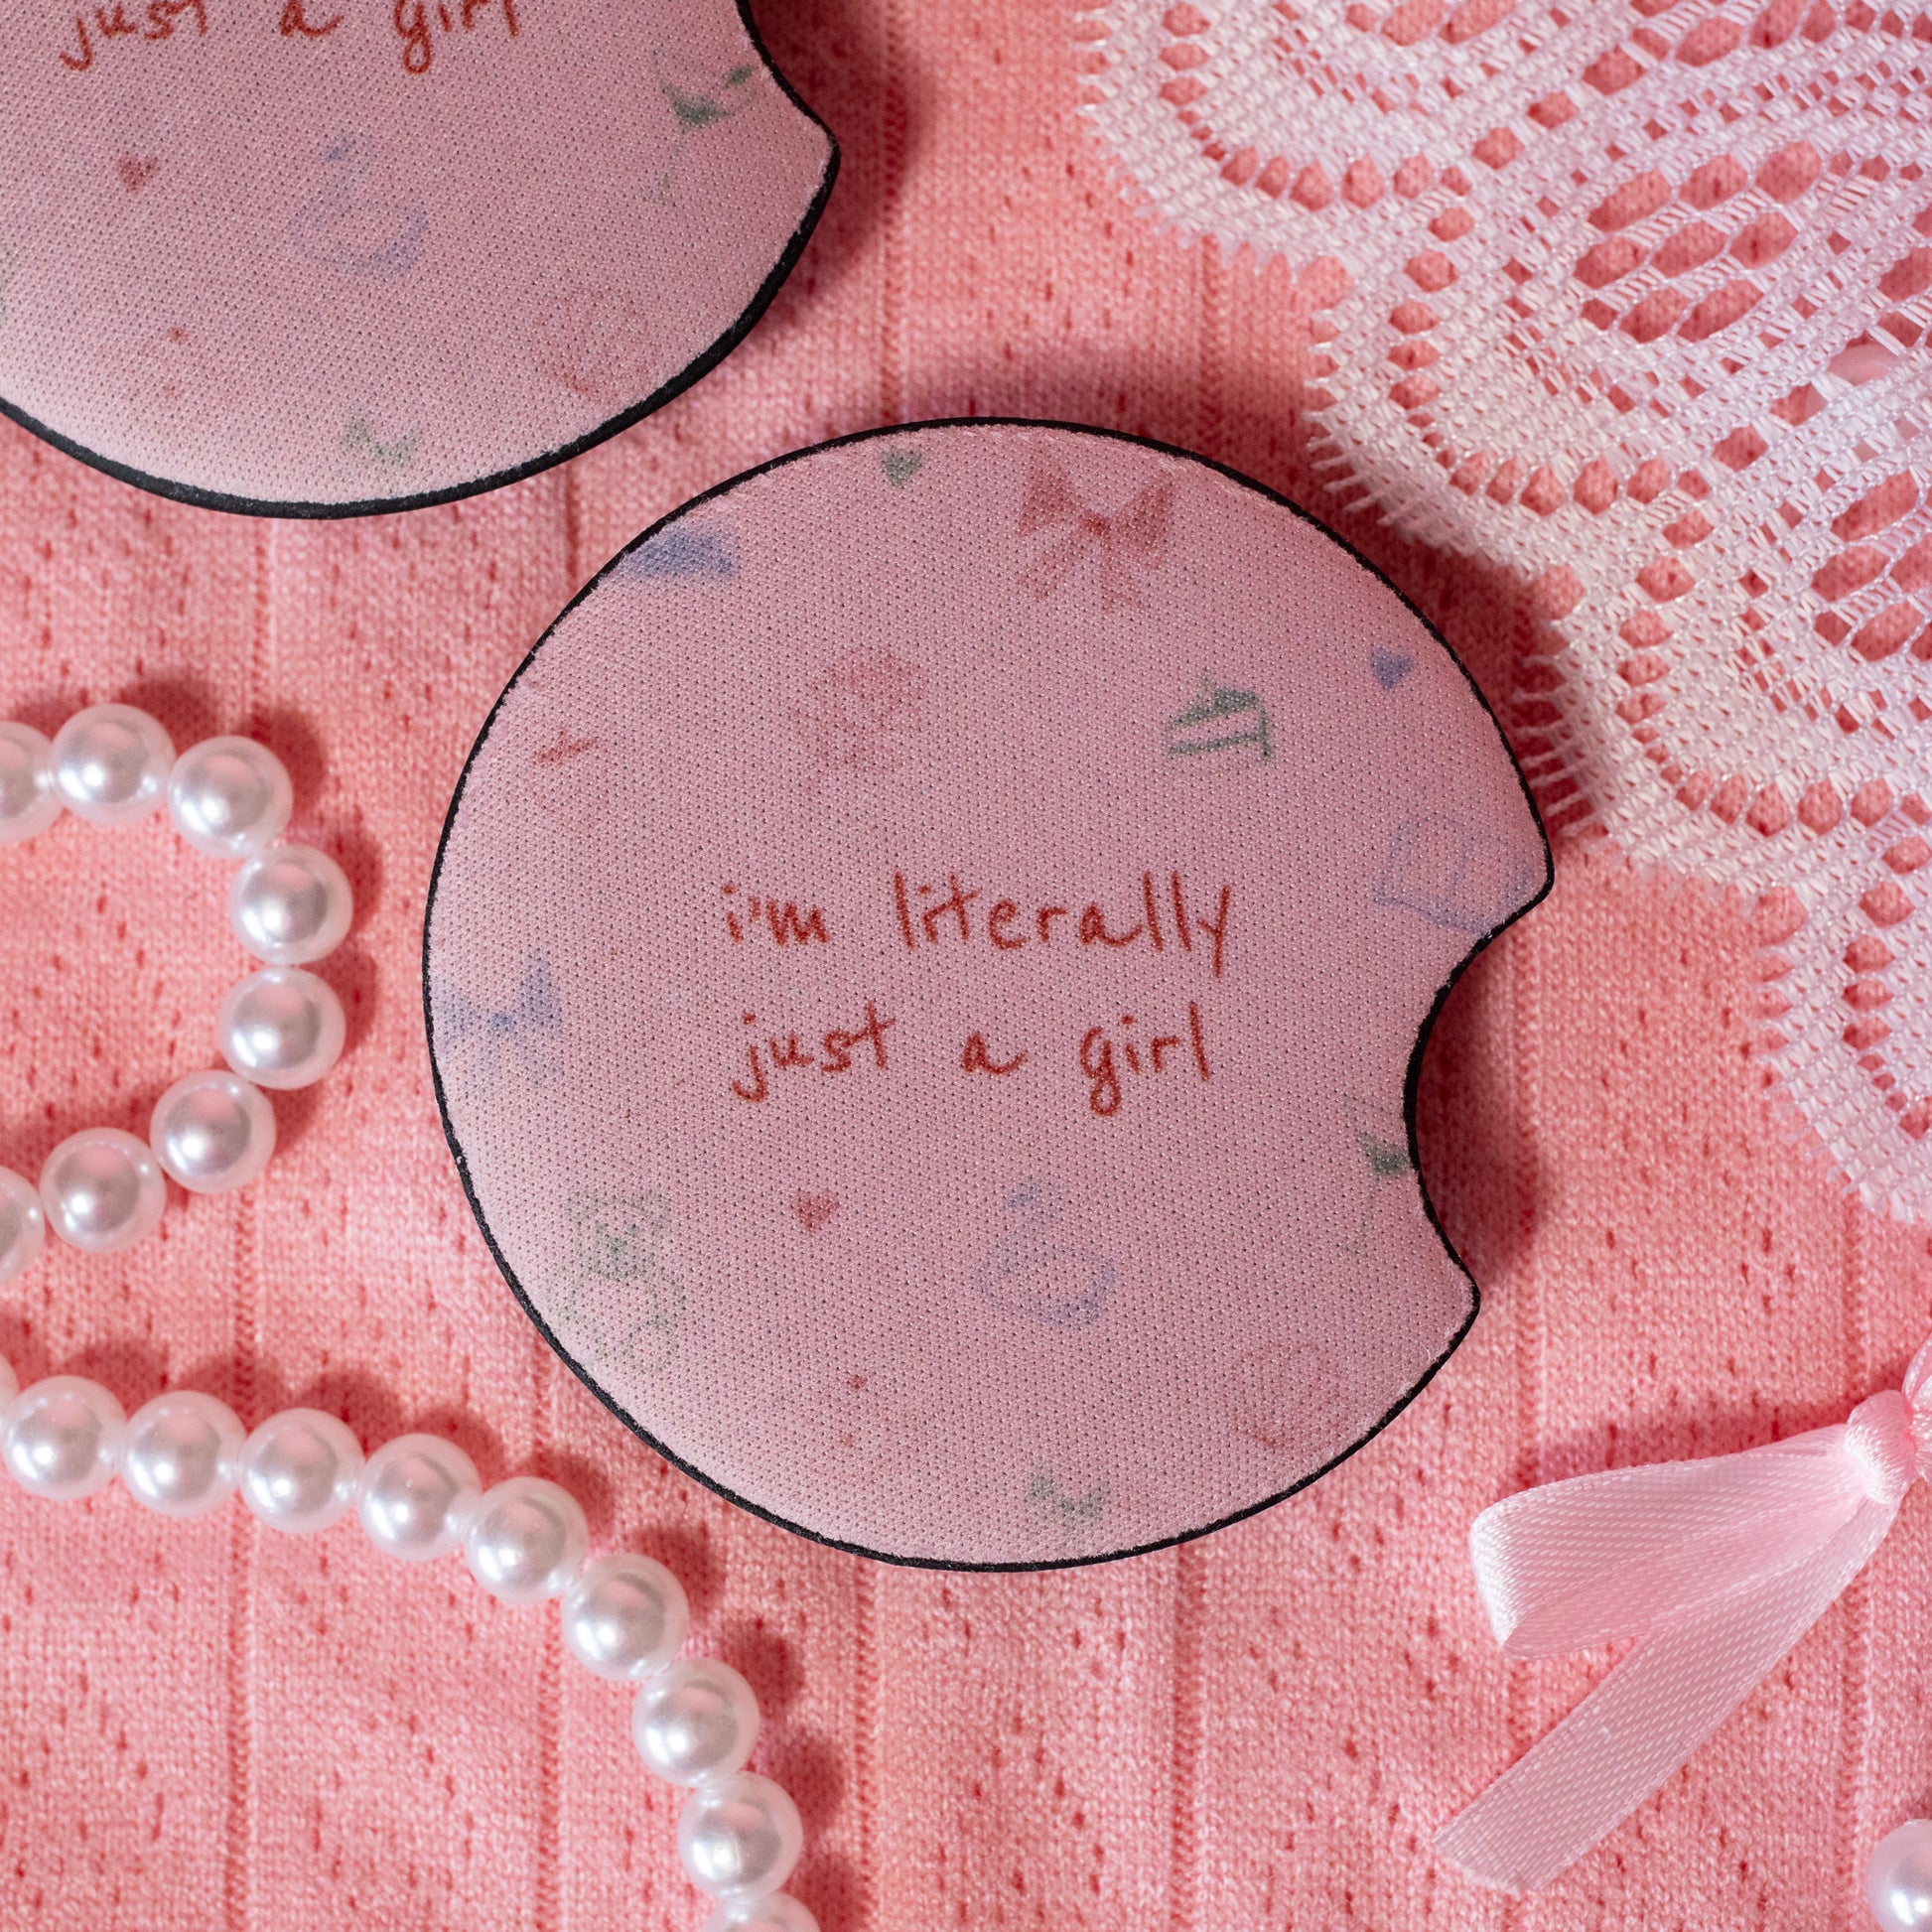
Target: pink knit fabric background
<point>208,1725</point>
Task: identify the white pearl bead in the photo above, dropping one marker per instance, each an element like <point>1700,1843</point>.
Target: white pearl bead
<point>22,1224</point>
<point>624,1617</point>
<point>300,1471</point>
<point>780,1914</point>
<point>111,764</point>
<point>182,1454</point>
<point>63,1438</point>
<point>740,1837</point>
<point>415,1497</point>
<point>29,804</point>
<point>213,1131</point>
<point>525,1540</point>
<point>290,906</point>
<point>103,1190</point>
<point>229,796</point>
<point>281,1028</point>
<point>1898,1877</point>
<point>695,1720</point>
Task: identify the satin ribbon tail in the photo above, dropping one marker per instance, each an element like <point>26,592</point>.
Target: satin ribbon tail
<point>1686,1675</point>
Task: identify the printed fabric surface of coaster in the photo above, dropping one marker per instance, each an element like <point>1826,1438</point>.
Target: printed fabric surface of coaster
<point>924,974</point>
<point>350,257</point>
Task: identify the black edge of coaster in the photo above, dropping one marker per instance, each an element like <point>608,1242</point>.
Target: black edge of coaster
<point>1410,1083</point>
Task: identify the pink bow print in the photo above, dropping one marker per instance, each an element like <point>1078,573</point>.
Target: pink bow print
<point>1133,538</point>
<point>1716,1568</point>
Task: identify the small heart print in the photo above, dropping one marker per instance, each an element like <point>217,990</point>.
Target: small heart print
<point>1390,666</point>
<point>901,466</point>
<point>136,171</point>
<point>814,1210</point>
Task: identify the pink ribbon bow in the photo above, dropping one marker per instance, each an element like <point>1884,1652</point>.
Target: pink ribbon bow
<point>1716,1568</point>
<point>1134,537</point>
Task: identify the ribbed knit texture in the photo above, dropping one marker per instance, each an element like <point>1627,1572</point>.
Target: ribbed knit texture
<point>210,1727</point>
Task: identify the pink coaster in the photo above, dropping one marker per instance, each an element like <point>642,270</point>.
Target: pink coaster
<point>338,255</point>
<point>925,973</point>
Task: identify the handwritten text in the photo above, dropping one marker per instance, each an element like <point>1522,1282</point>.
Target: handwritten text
<point>1164,1043</point>
<point>419,24</point>
<point>932,915</point>
<point>110,24</point>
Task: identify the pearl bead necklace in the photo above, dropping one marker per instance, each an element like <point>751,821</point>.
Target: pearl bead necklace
<point>102,1189</point>
<point>624,1617</point>
<point>1899,1879</point>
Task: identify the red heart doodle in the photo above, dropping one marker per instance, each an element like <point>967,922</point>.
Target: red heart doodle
<point>136,171</point>
<point>814,1210</point>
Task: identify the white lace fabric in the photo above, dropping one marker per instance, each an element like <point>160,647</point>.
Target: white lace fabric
<point>1629,298</point>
